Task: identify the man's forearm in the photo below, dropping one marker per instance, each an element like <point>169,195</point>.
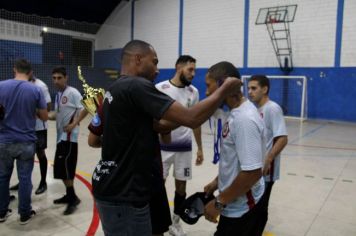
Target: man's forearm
<point>278,146</point>
<point>83,113</point>
<point>197,136</point>
<point>94,140</point>
<point>164,126</point>
<point>196,115</point>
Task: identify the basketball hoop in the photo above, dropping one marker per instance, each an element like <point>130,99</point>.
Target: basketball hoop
<point>272,19</point>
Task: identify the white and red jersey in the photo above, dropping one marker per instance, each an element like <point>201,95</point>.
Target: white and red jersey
<point>275,124</point>
<point>67,107</point>
<point>243,148</point>
<point>187,96</point>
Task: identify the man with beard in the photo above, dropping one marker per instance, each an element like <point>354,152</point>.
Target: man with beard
<point>179,151</point>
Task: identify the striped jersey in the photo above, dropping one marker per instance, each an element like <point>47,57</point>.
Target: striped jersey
<point>242,149</point>
<point>187,96</point>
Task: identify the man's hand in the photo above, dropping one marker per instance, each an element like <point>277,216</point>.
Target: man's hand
<point>52,115</point>
<point>200,157</point>
<point>210,212</point>
<point>211,187</point>
<point>68,128</point>
<point>267,167</point>
<point>231,85</point>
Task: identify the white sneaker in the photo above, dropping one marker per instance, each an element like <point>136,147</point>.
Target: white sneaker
<point>176,230</point>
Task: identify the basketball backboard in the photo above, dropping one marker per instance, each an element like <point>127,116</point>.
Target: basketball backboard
<point>278,14</point>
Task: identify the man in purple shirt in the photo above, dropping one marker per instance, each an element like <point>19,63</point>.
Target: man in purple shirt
<point>20,103</point>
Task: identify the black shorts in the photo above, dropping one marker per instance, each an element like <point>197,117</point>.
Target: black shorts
<point>65,160</point>
<point>159,209</point>
<point>246,225</point>
<point>41,143</point>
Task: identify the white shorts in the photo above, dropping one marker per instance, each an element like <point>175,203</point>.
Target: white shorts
<point>182,161</point>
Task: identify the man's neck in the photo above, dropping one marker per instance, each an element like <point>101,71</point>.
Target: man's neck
<point>263,101</point>
<point>236,102</point>
<point>22,77</point>
<point>128,71</point>
<point>62,89</point>
<point>176,81</point>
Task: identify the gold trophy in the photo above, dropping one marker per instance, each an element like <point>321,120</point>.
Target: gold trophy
<point>93,97</point>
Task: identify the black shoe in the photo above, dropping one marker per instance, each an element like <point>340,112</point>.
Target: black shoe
<point>62,200</point>
<point>4,216</point>
<point>15,187</point>
<point>12,198</point>
<point>24,219</point>
<point>41,189</point>
<point>71,207</point>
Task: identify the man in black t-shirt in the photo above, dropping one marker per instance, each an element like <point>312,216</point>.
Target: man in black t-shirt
<point>159,206</point>
<point>122,180</point>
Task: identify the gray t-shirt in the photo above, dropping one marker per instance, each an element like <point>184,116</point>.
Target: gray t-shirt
<point>242,149</point>
<point>68,107</point>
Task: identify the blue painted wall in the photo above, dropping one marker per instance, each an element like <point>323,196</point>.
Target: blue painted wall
<point>12,50</point>
<point>107,58</point>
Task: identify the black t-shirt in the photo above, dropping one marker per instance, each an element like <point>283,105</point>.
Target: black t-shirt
<point>124,174</point>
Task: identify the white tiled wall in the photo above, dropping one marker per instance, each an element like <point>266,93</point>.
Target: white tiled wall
<point>157,22</point>
<point>116,30</point>
<point>313,34</point>
<point>213,31</point>
<point>348,49</point>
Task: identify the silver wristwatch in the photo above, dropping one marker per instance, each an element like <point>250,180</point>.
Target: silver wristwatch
<point>218,204</point>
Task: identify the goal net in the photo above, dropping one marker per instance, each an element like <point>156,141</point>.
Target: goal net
<point>288,91</point>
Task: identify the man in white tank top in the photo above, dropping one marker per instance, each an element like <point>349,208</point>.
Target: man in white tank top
<point>276,136</point>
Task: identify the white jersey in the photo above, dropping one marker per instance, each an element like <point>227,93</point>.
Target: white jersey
<point>187,96</point>
<point>272,115</point>
<point>67,107</point>
<point>40,124</point>
<point>243,148</point>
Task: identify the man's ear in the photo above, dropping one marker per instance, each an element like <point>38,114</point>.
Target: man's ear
<point>138,59</point>
<point>30,75</point>
<point>264,90</point>
<point>179,68</point>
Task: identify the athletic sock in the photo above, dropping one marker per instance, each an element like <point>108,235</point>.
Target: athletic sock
<point>71,194</point>
<point>43,168</point>
<point>178,201</point>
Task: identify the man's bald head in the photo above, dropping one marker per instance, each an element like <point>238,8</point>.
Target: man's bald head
<point>139,59</point>
<point>135,47</point>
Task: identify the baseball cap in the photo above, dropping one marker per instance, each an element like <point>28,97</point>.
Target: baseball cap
<point>193,207</point>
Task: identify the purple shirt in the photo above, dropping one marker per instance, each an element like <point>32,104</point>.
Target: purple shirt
<point>20,100</point>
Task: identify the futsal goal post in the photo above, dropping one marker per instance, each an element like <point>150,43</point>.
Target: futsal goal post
<point>289,91</point>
